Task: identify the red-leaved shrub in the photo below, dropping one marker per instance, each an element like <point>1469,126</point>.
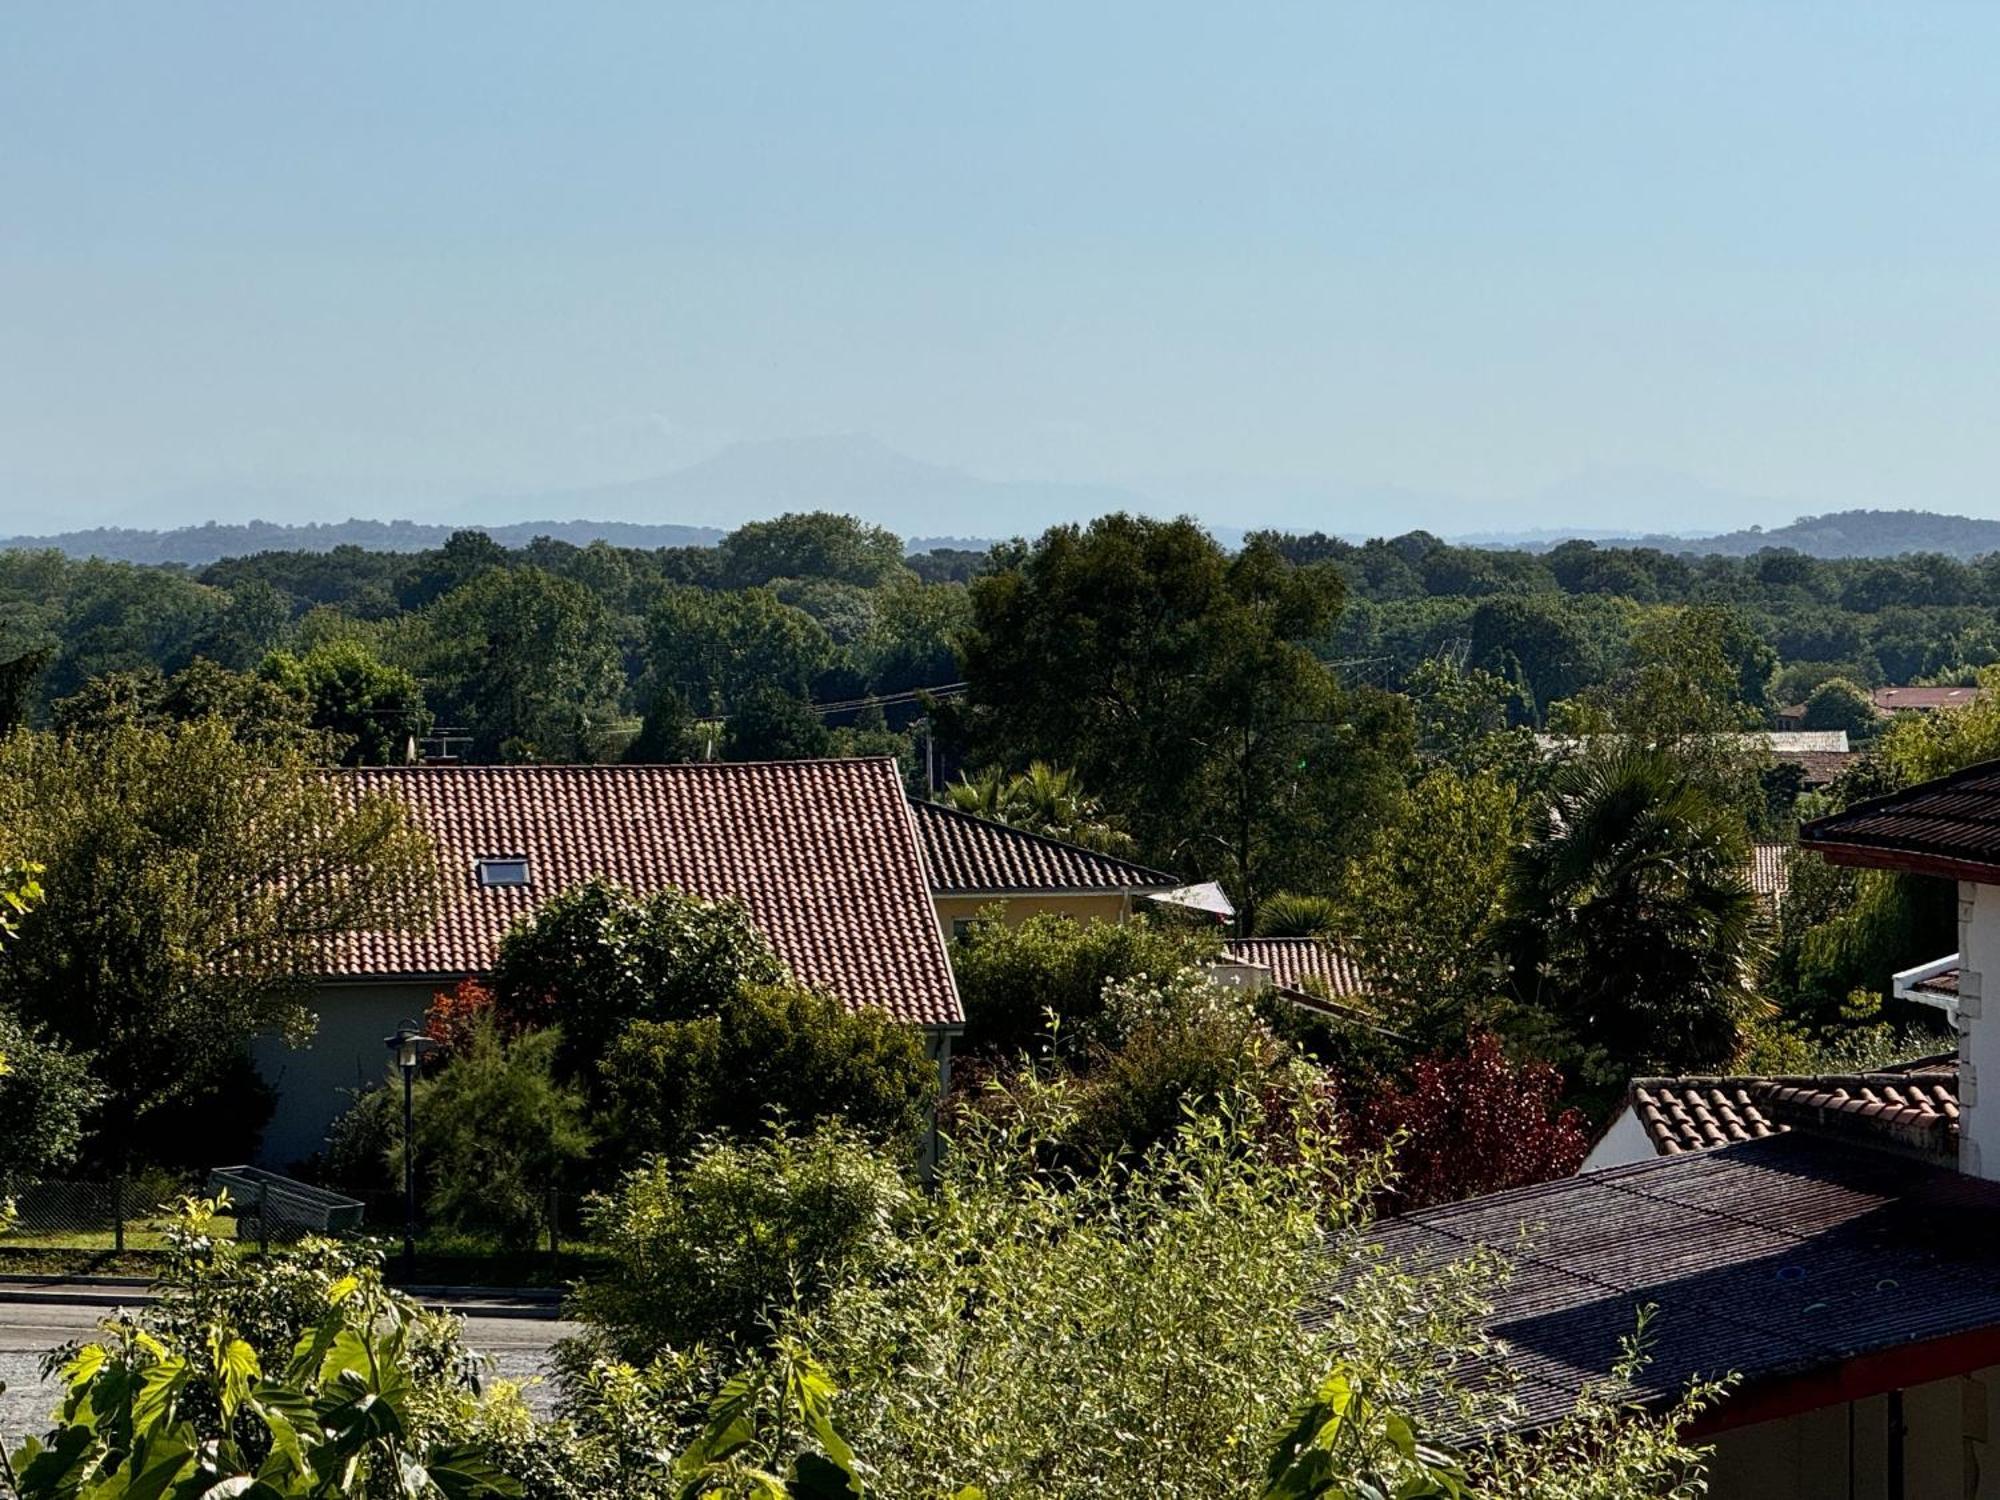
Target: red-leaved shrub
<point>455,1011</point>
<point>1469,1122</point>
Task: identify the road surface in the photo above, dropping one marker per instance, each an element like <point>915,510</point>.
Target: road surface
<point>517,1349</point>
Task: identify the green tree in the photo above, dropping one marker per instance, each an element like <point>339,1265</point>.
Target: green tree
<point>1291,914</point>
<point>47,1098</point>
<point>912,643</point>
<point>1536,644</point>
<point>1012,977</point>
<point>1420,905</point>
<point>811,544</point>
<point>1187,696</point>
<point>714,1250</point>
<point>770,1053</point>
<point>266,715</point>
<point>596,957</point>
<point>191,887</point>
<point>1630,921</point>
<point>1042,799</point>
<point>374,711</point>
<point>495,1132</point>
<point>713,649</point>
<point>1839,703</point>
<point>770,724</point>
<point>667,733</point>
<point>528,662</point>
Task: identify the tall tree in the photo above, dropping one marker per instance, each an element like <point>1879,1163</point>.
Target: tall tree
<point>810,544</point>
<point>1420,905</point>
<point>373,710</point>
<point>528,662</point>
<point>770,724</point>
<point>191,886</point>
<point>1178,682</point>
<point>713,649</point>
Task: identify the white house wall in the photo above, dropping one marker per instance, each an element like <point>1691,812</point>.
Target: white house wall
<point>1624,1143</point>
<point>1978,1039</point>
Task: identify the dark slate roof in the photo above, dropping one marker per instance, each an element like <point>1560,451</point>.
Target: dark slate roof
<point>1769,1259</point>
<point>1948,827</point>
<point>823,854</point>
<point>974,856</point>
<point>1913,1108</point>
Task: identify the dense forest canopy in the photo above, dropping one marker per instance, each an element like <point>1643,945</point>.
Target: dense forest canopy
<point>831,610</point>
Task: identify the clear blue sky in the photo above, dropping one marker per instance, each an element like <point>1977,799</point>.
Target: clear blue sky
<point>384,256</point>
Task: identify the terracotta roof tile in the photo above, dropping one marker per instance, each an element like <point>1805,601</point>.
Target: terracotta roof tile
<point>1912,1109</point>
<point>1302,964</point>
<point>974,856</point>
<point>1923,699</point>
<point>823,855</point>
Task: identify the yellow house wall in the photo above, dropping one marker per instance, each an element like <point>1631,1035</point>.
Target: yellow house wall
<point>1112,908</point>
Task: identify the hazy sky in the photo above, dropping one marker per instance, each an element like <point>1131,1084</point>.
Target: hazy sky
<point>384,256</point>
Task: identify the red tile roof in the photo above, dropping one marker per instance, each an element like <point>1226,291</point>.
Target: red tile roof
<point>1307,965</point>
<point>823,854</point>
<point>1697,1114</point>
<point>1948,827</point>
<point>1923,699</point>
<point>973,856</point>
<point>1913,1108</point>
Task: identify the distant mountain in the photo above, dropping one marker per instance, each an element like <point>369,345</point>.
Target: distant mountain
<point>196,546</point>
<point>848,473</point>
<point>1849,533</point>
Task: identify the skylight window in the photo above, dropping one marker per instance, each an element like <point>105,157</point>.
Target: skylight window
<point>505,869</point>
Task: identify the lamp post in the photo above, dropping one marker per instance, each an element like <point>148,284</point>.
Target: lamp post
<point>406,1047</point>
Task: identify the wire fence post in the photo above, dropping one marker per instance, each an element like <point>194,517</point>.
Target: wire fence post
<point>118,1213</point>
<point>555,1223</point>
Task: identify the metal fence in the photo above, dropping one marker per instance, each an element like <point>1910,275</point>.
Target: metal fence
<point>128,1214</point>
<point>121,1214</point>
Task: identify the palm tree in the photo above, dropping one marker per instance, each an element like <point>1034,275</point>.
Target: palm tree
<point>1043,799</point>
<point>1629,918</point>
<point>1289,914</point>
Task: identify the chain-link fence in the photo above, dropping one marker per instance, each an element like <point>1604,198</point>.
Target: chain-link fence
<point>263,1211</point>
<point>123,1214</point>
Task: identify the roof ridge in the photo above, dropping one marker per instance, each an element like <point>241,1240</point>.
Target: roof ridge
<point>615,766</point>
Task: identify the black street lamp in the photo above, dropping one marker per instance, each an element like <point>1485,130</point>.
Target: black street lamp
<point>406,1048</point>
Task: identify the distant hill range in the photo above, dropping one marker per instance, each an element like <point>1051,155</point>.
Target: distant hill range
<point>197,546</point>
<point>1845,533</point>
<point>1849,533</point>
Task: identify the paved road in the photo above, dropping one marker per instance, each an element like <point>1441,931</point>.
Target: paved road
<point>518,1349</point>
